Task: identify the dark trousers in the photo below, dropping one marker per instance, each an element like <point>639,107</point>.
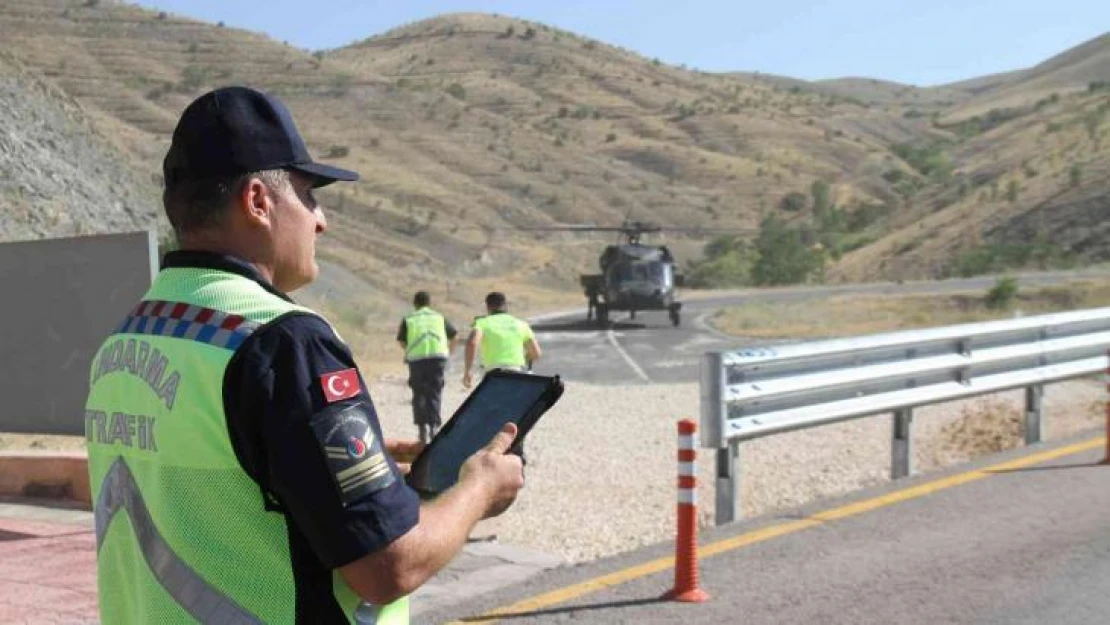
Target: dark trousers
<point>426,382</point>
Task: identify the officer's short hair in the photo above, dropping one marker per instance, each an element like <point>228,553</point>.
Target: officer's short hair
<point>421,299</point>
<point>495,301</point>
<point>194,204</point>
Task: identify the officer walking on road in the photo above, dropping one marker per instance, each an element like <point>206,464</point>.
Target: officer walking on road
<point>428,340</point>
<point>238,469</point>
<point>504,341</point>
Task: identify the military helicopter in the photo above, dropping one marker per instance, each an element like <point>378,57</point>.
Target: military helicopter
<point>634,276</point>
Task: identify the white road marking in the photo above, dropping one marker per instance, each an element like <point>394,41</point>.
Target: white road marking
<point>620,350</point>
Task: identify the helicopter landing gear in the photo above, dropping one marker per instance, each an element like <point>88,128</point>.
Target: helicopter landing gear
<point>676,317</point>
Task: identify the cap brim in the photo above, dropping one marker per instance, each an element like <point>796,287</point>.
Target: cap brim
<point>325,174</point>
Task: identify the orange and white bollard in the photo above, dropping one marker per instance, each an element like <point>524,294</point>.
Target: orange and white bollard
<point>686,541</point>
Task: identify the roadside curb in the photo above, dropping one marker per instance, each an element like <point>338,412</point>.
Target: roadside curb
<point>45,475</point>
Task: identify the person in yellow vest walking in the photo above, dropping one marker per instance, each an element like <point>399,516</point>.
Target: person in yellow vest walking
<point>239,473</point>
<point>504,341</point>
<point>428,340</point>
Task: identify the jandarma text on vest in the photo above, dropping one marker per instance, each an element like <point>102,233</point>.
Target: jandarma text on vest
<point>138,358</point>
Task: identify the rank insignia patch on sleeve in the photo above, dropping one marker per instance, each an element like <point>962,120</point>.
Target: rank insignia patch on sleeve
<point>354,455</point>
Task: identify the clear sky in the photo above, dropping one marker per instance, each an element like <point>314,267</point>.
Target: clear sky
<point>922,42</point>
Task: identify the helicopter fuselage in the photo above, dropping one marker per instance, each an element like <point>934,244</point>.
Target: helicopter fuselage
<point>634,278</point>
<point>639,285</point>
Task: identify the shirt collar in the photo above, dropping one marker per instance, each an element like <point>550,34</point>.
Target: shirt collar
<point>193,259</point>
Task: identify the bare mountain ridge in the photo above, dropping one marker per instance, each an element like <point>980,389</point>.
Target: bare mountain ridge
<point>468,125</point>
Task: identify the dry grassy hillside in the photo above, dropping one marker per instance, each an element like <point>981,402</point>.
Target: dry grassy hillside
<point>1070,71</point>
<point>468,126</point>
<point>1031,191</point>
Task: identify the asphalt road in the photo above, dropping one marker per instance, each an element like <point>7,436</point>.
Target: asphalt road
<point>649,350</point>
<point>1022,538</point>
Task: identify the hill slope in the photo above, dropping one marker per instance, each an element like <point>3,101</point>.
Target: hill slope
<point>59,175</point>
<point>468,126</point>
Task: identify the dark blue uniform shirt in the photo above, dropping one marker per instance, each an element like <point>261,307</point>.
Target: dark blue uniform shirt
<point>312,458</point>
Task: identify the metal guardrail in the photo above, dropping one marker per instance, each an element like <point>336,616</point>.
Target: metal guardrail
<point>750,393</point>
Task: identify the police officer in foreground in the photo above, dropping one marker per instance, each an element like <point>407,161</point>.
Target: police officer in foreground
<point>428,340</point>
<point>238,469</point>
<point>504,341</point>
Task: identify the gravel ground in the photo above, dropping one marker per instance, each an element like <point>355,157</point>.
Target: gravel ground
<point>601,472</point>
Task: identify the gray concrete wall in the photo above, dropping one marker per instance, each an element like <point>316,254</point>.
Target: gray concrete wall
<point>62,297</point>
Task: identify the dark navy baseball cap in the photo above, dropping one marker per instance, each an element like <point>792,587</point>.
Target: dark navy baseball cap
<point>237,130</point>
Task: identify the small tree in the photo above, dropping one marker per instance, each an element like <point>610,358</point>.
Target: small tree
<point>784,257</point>
<point>456,91</point>
<point>1001,295</point>
<point>820,192</point>
<point>793,201</point>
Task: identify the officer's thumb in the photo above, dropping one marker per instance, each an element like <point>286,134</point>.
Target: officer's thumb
<point>503,441</point>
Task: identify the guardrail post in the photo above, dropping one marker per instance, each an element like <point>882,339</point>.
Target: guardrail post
<point>728,484</point>
<point>1034,428</point>
<point>686,539</point>
<point>901,461</point>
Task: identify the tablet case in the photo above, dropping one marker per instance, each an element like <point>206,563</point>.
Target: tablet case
<point>421,474</point>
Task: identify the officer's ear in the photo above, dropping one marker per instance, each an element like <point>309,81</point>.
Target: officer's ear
<point>255,201</point>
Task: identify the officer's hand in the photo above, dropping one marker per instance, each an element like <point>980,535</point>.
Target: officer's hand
<point>403,452</point>
<point>500,474</point>
<point>468,379</point>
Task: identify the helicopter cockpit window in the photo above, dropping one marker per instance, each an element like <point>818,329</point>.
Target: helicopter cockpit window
<point>650,272</point>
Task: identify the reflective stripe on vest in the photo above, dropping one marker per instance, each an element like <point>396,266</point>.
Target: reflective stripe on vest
<point>206,604</point>
<point>426,335</point>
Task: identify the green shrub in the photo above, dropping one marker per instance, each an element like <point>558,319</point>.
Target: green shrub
<point>820,191</point>
<point>793,201</point>
<point>1001,295</point>
<point>993,258</point>
<point>930,159</point>
<point>784,256</point>
<point>456,91</point>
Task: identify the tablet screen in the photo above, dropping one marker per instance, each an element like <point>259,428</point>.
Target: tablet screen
<point>497,401</point>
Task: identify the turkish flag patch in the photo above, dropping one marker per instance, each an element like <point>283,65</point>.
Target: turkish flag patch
<point>340,385</point>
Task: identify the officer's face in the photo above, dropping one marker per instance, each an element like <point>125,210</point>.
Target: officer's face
<point>297,219</point>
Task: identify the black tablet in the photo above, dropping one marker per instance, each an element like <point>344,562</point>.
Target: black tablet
<point>500,398</point>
